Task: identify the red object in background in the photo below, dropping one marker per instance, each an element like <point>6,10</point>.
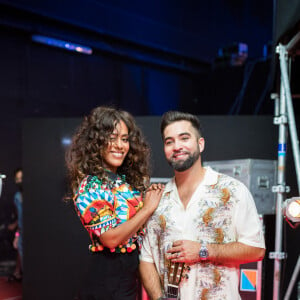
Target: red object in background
<point>144,295</point>
<point>10,290</point>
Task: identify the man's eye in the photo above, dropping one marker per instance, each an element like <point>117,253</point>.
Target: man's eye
<point>125,140</point>
<point>168,142</point>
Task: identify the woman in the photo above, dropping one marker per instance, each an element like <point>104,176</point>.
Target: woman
<point>108,169</point>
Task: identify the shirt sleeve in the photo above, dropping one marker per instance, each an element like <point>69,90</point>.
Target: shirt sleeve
<point>146,253</point>
<point>248,224</point>
<point>96,210</point>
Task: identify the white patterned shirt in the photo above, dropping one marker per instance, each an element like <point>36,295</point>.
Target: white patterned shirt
<point>221,210</point>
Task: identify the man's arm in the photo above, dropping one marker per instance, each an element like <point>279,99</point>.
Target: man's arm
<point>235,252</point>
<point>150,280</point>
<point>230,253</point>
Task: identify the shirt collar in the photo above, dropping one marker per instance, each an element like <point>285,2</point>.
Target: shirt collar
<point>210,178</point>
<point>111,176</point>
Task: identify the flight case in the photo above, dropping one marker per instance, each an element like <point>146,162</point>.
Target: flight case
<point>258,175</point>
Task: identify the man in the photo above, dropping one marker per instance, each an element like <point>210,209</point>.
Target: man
<point>205,219</point>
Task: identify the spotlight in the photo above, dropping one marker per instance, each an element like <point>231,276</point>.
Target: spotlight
<point>291,210</point>
<point>61,44</point>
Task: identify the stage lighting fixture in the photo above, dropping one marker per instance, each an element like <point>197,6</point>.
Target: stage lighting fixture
<point>234,55</point>
<point>61,44</point>
<point>2,176</point>
<point>291,209</point>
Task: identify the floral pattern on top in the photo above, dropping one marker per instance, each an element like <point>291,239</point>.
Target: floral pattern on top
<point>105,204</point>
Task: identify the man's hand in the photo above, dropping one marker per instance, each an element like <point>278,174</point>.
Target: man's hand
<point>184,251</point>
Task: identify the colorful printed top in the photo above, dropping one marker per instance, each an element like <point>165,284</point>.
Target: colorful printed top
<point>220,211</point>
<point>102,205</point>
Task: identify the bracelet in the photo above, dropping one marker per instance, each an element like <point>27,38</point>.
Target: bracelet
<point>17,233</point>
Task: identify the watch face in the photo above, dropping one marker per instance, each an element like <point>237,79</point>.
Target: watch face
<point>203,253</point>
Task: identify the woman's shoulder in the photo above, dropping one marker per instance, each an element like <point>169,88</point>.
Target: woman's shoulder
<point>89,184</point>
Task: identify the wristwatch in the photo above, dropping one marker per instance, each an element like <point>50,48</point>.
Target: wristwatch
<point>203,253</point>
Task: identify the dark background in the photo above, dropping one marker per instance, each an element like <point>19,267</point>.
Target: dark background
<point>147,58</point>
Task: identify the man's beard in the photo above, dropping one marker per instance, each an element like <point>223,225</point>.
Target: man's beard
<point>183,165</point>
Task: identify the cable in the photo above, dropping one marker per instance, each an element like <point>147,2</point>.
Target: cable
<point>237,105</point>
<point>264,92</point>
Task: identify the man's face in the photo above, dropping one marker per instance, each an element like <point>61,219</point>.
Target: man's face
<point>182,145</point>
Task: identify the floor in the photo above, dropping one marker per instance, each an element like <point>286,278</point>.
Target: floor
<point>10,290</point>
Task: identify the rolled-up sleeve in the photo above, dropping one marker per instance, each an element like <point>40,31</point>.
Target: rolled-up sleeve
<point>248,225</point>
<point>146,253</point>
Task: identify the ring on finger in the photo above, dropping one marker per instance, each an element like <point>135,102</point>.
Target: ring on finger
<point>178,254</point>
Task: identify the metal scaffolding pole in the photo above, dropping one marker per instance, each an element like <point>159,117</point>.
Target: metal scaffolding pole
<point>293,280</point>
<point>286,116</point>
<point>283,56</point>
<point>280,189</point>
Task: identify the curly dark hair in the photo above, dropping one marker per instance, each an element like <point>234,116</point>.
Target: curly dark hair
<point>91,139</point>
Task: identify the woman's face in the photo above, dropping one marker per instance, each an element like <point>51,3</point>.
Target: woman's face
<point>117,148</point>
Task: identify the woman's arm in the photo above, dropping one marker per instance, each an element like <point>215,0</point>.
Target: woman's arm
<point>115,236</point>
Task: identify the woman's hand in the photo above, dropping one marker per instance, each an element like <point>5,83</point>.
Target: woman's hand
<point>153,196</point>
<point>155,186</point>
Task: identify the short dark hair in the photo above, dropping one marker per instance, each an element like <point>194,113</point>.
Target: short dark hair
<point>174,116</point>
